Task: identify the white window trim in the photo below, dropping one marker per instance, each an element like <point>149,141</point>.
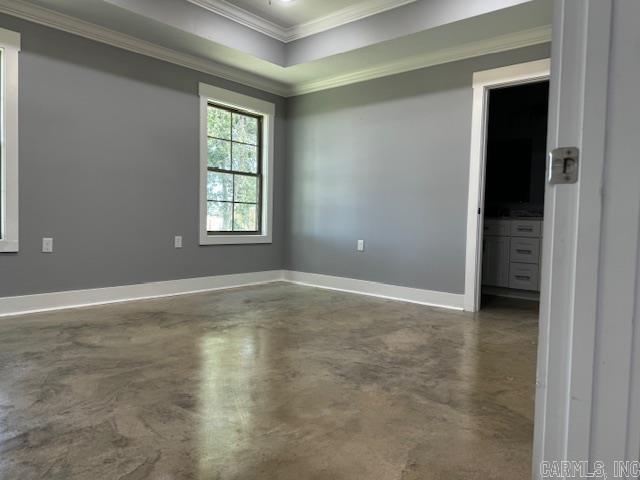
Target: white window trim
<point>267,110</point>
<point>10,45</point>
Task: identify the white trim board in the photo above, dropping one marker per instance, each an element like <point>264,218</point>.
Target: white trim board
<point>44,302</point>
<point>501,43</point>
<point>288,34</point>
<point>9,161</point>
<point>483,82</point>
<point>265,109</point>
<point>431,298</point>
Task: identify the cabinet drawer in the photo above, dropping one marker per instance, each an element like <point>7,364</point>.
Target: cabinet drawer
<point>523,276</point>
<point>525,250</point>
<point>497,227</point>
<point>526,228</point>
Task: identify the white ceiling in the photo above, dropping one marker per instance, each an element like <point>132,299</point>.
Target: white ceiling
<point>291,20</point>
<point>288,14</point>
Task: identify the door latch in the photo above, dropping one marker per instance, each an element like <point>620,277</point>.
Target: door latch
<point>563,165</point>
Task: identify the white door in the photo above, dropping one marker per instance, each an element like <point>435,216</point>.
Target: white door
<point>587,401</point>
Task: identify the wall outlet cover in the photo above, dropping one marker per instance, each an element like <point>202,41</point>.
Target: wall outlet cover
<point>47,245</point>
<point>177,241</point>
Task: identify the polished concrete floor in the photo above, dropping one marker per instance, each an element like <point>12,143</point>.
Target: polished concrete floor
<point>268,382</point>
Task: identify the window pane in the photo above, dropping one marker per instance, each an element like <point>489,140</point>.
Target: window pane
<point>244,218</point>
<point>219,153</point>
<point>245,189</point>
<point>219,123</point>
<point>245,158</point>
<point>245,129</point>
<point>219,186</point>
<point>219,217</point>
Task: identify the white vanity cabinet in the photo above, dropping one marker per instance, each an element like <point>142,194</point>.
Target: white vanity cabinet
<point>511,253</point>
<point>495,261</point>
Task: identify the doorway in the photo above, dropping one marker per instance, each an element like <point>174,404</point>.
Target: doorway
<point>516,143</point>
<point>506,182</point>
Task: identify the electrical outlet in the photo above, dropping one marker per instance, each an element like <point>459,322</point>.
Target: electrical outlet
<point>177,241</point>
<point>47,245</point>
<point>361,245</point>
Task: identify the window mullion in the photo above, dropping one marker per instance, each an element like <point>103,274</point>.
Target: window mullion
<point>233,179</point>
<point>233,202</point>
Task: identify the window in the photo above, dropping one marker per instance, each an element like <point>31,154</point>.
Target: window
<point>9,48</point>
<point>234,177</point>
<point>236,167</point>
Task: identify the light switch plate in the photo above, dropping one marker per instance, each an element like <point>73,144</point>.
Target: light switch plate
<point>47,245</point>
<point>177,241</point>
<point>361,245</point>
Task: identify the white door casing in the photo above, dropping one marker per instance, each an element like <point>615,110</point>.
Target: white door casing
<point>483,82</point>
<point>587,387</point>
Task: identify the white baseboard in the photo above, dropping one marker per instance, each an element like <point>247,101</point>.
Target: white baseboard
<point>97,296</point>
<point>393,292</point>
<point>44,302</point>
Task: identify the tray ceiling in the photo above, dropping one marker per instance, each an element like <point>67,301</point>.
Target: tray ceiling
<point>288,14</point>
<point>419,34</point>
<point>291,20</point>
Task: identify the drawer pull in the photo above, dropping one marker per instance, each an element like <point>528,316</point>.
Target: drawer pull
<point>525,229</point>
<point>524,278</point>
<point>523,252</point>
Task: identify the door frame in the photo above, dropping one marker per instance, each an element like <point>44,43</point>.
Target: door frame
<point>483,82</point>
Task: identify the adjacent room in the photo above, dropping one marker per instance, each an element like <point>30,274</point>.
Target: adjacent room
<point>275,239</point>
<point>516,156</point>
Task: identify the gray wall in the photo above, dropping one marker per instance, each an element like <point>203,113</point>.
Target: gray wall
<point>386,161</point>
<point>109,168</point>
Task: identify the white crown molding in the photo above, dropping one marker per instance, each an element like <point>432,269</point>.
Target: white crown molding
<point>497,44</point>
<point>286,34</point>
<point>50,18</point>
<point>344,16</point>
<point>243,17</point>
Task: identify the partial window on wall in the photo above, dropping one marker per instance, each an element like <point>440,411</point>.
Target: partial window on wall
<point>236,167</point>
<point>9,48</point>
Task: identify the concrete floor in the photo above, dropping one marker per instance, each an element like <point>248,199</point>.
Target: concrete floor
<point>268,382</point>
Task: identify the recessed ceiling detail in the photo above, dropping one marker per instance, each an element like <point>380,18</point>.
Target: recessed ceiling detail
<point>422,33</point>
<point>297,19</point>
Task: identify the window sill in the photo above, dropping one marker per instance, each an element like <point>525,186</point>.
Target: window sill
<point>8,246</point>
<point>234,239</point>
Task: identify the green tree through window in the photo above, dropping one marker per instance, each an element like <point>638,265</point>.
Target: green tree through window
<point>234,171</point>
